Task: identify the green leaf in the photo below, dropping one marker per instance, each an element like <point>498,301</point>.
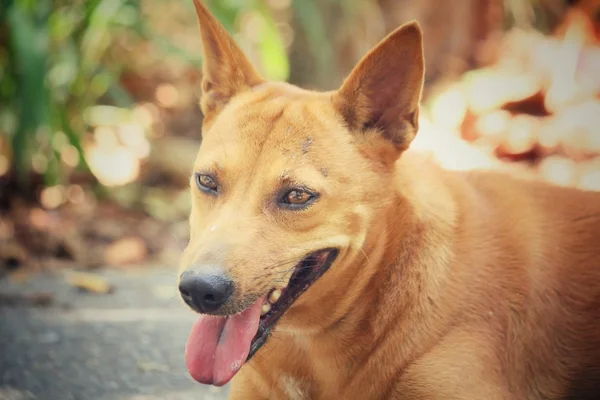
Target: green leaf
<point>96,38</point>
<point>272,49</point>
<point>30,49</point>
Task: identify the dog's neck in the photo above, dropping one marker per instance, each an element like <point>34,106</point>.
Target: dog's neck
<point>413,270</point>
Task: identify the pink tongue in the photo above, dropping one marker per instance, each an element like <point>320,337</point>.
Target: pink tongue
<point>218,346</point>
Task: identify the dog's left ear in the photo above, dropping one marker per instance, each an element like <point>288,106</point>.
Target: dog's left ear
<point>226,69</point>
<point>384,90</point>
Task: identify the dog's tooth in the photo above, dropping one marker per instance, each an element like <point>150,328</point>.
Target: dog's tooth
<point>265,308</point>
<point>275,295</point>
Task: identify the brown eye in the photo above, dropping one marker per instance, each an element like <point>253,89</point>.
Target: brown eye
<point>206,183</point>
<point>297,198</point>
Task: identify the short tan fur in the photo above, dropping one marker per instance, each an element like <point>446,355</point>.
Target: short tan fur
<point>448,285</point>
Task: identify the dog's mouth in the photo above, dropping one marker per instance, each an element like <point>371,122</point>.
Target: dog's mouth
<point>279,300</point>
<point>219,346</point>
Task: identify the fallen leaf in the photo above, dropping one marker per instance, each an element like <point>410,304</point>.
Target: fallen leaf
<point>89,282</point>
<point>151,366</point>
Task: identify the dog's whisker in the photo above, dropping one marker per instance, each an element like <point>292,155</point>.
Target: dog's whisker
<point>287,271</point>
<point>275,266</point>
<point>275,273</point>
<point>366,256</point>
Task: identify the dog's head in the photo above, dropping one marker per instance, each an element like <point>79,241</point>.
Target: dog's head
<point>284,186</point>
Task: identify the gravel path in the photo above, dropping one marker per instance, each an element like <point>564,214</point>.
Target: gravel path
<point>127,345</point>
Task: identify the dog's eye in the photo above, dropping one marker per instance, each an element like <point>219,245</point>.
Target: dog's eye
<point>206,183</point>
<point>297,198</point>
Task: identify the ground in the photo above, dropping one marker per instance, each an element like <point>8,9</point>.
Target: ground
<point>126,345</point>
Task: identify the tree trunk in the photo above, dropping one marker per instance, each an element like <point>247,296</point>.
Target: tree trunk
<point>453,34</point>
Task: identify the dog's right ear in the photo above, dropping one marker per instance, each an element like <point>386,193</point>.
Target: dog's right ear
<point>226,69</point>
<point>383,92</point>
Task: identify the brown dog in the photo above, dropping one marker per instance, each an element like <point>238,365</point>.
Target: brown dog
<point>378,275</point>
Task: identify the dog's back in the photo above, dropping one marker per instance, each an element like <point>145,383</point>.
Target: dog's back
<point>528,258</point>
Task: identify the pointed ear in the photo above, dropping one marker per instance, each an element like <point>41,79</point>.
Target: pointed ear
<point>226,69</point>
<point>384,90</point>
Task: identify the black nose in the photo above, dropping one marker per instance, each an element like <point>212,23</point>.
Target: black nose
<point>205,292</point>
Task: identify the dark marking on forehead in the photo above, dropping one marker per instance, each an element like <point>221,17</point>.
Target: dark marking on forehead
<point>325,172</point>
<point>306,145</point>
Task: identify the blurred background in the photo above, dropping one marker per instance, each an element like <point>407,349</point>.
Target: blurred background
<point>99,116</point>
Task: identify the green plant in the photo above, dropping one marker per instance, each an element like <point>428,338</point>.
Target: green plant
<point>52,67</point>
<point>55,62</point>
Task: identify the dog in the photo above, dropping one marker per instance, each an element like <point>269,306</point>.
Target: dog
<point>327,260</point>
